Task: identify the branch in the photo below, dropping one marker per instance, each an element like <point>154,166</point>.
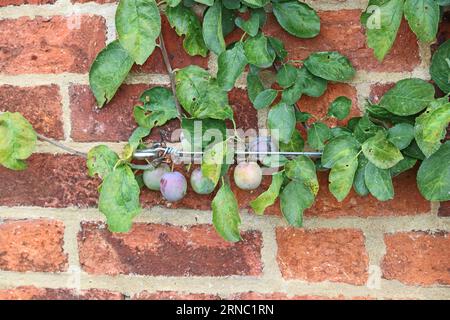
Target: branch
<point>61,146</point>
<point>166,59</point>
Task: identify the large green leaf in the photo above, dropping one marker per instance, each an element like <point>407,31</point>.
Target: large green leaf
<point>200,133</point>
<point>265,98</point>
<point>341,177</point>
<point>138,24</point>
<point>440,67</point>
<point>365,129</point>
<point>359,183</point>
<point>402,166</point>
<point>330,66</point>
<point>254,86</point>
<point>226,217</point>
<point>119,199</point>
<point>409,96</point>
<point>231,64</point>
<point>295,144</point>
<point>379,182</point>
<point>430,128</point>
<point>423,18</point>
<point>382,20</point>
<point>310,84</point>
<point>17,140</point>
<point>287,75</point>
<point>255,3</point>
<point>136,137</point>
<point>258,53</point>
<point>339,149</point>
<point>281,121</point>
<point>340,108</point>
<point>433,177</point>
<point>381,152</point>
<point>213,160</point>
<point>268,197</point>
<point>101,160</point>
<point>297,18</point>
<point>159,107</point>
<point>250,26</point>
<point>401,135</point>
<point>108,71</point>
<point>295,198</point>
<point>186,23</point>
<point>318,134</point>
<point>303,169</point>
<point>212,28</point>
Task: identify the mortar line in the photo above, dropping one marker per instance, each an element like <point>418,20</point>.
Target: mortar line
<point>66,112</point>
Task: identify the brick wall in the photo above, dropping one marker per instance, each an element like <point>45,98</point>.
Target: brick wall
<point>53,242</point>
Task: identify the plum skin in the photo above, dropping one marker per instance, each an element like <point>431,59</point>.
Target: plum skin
<point>173,186</point>
<point>201,184</point>
<point>247,175</point>
<point>152,178</point>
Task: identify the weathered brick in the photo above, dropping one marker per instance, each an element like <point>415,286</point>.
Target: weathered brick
<point>34,293</point>
<point>177,55</point>
<point>41,106</point>
<point>50,181</point>
<point>322,255</point>
<point>32,245</point>
<point>319,106</point>
<point>165,250</point>
<point>282,296</point>
<point>50,45</point>
<point>172,295</point>
<point>444,209</point>
<point>4,3</point>
<point>245,115</point>
<point>342,31</point>
<point>417,258</point>
<point>378,90</point>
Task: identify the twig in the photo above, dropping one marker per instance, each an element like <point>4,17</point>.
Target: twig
<point>162,46</point>
<point>61,146</point>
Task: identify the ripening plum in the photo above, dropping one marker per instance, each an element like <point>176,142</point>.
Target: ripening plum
<point>262,145</point>
<point>201,184</point>
<point>173,186</point>
<point>152,177</point>
<point>247,175</point>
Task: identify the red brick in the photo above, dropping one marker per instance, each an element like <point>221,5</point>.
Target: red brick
<point>319,106</point>
<point>444,209</point>
<point>50,181</point>
<point>342,31</point>
<point>32,245</point>
<point>50,45</point>
<point>98,1</point>
<point>4,3</point>
<point>172,295</point>
<point>245,115</point>
<point>177,55</point>
<point>417,258</point>
<point>41,106</point>
<point>322,255</point>
<point>165,250</point>
<point>34,293</point>
<point>378,90</point>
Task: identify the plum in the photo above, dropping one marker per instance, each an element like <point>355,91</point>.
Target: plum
<point>173,186</point>
<point>262,145</point>
<point>152,177</point>
<point>201,184</point>
<point>247,175</point>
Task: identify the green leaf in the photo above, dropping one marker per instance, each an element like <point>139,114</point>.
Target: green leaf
<point>339,131</point>
<point>212,29</point>
<point>205,2</point>
<point>186,23</point>
<point>339,149</point>
<point>318,134</point>
<point>401,135</point>
<point>430,128</point>
<point>212,161</point>
<point>119,199</point>
<point>310,84</point>
<point>281,121</point>
<point>201,133</point>
<point>382,20</point>
<point>231,4</point>
<point>295,144</point>
<point>423,18</point>
<point>250,26</point>
<point>101,161</point>
<point>255,3</point>
<point>17,140</point>
<point>433,177</point>
<point>302,116</point>
<point>159,107</point>
<point>200,95</point>
<point>330,66</point>
<point>409,96</point>
<point>402,166</point>
<point>228,17</point>
<point>226,217</point>
<point>138,25</point>
<point>303,169</point>
<point>277,46</point>
<point>379,182</point>
<point>265,98</point>
<point>287,75</point>
<point>365,129</point>
<point>254,86</point>
<point>377,112</point>
<point>340,108</point>
<point>359,183</point>
<point>231,64</point>
<point>268,197</point>
<point>173,3</point>
<point>341,178</point>
<point>258,53</point>
<point>108,71</point>
<point>440,67</point>
<point>297,18</point>
<point>381,152</point>
<point>136,137</point>
<point>414,151</point>
<point>295,198</point>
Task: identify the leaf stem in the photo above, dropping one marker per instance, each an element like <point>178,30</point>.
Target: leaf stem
<point>166,59</point>
<point>61,146</point>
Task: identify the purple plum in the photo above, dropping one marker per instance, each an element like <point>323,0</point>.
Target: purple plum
<point>173,186</point>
